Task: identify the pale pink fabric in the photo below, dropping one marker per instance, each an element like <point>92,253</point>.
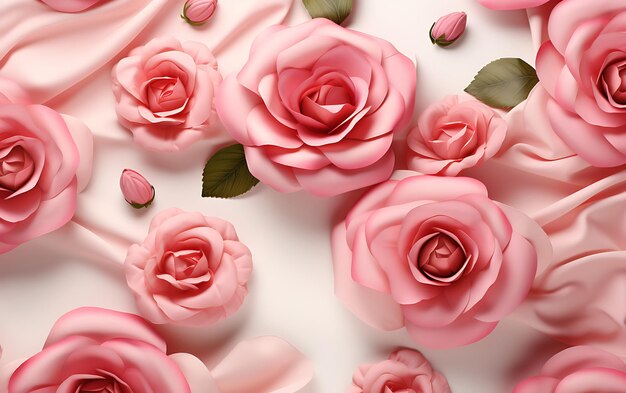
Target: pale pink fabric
<point>435,255</point>
<point>454,134</point>
<point>581,67</point>
<point>39,167</point>
<point>165,93</point>
<point>317,107</point>
<point>406,370</point>
<point>71,5</point>
<point>94,349</point>
<point>190,269</point>
<point>578,370</point>
<point>514,4</point>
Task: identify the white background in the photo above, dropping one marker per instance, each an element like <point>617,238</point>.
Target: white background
<point>291,294</point>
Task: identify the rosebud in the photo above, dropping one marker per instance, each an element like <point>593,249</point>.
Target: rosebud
<point>137,191</point>
<point>196,12</point>
<point>448,28</point>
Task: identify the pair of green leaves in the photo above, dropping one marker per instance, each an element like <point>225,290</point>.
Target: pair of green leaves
<point>504,83</point>
<point>335,10</point>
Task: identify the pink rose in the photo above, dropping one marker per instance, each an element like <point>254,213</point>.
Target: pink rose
<point>164,92</point>
<point>96,350</point>
<point>436,255</point>
<point>406,370</point>
<point>578,370</point>
<point>190,269</point>
<point>39,167</point>
<point>583,68</point>
<point>454,134</point>
<point>71,5</point>
<point>317,107</point>
<point>513,4</point>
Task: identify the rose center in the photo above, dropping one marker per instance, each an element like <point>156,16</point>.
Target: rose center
<point>16,168</point>
<point>454,140</point>
<point>330,103</point>
<point>395,387</point>
<point>104,385</point>
<point>187,264</point>
<point>441,257</point>
<point>166,96</point>
<point>613,83</point>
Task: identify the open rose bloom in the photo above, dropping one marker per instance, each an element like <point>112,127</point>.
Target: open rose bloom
<point>45,159</point>
<point>578,370</point>
<point>437,256</point>
<point>406,370</point>
<point>454,134</point>
<point>583,68</point>
<point>317,107</point>
<point>190,269</point>
<point>164,92</point>
<point>98,350</point>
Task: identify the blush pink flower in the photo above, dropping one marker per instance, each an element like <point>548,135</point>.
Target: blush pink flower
<point>578,370</point>
<point>406,370</point>
<point>165,92</point>
<point>317,107</point>
<point>71,5</point>
<point>97,350</point>
<point>513,4</point>
<point>39,166</point>
<point>454,134</point>
<point>583,68</point>
<point>190,269</point>
<point>434,255</point>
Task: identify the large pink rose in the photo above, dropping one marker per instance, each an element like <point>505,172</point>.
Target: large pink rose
<point>317,107</point>
<point>406,370</point>
<point>190,269</point>
<point>454,134</point>
<point>513,4</point>
<point>436,255</point>
<point>165,92</point>
<point>71,5</point>
<point>583,68</point>
<point>578,370</point>
<point>39,164</point>
<point>96,350</point>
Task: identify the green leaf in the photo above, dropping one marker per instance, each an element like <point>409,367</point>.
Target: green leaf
<point>335,10</point>
<point>504,83</point>
<point>226,174</point>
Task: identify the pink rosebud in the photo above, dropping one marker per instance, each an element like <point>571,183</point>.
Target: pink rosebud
<point>137,191</point>
<point>196,12</point>
<point>448,28</point>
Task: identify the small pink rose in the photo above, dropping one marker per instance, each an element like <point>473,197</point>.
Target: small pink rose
<point>71,5</point>
<point>406,370</point>
<point>437,256</point>
<point>165,92</point>
<point>197,12</point>
<point>448,28</point>
<point>190,269</point>
<point>39,167</point>
<point>578,370</point>
<point>454,134</point>
<point>318,106</point>
<point>137,191</point>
